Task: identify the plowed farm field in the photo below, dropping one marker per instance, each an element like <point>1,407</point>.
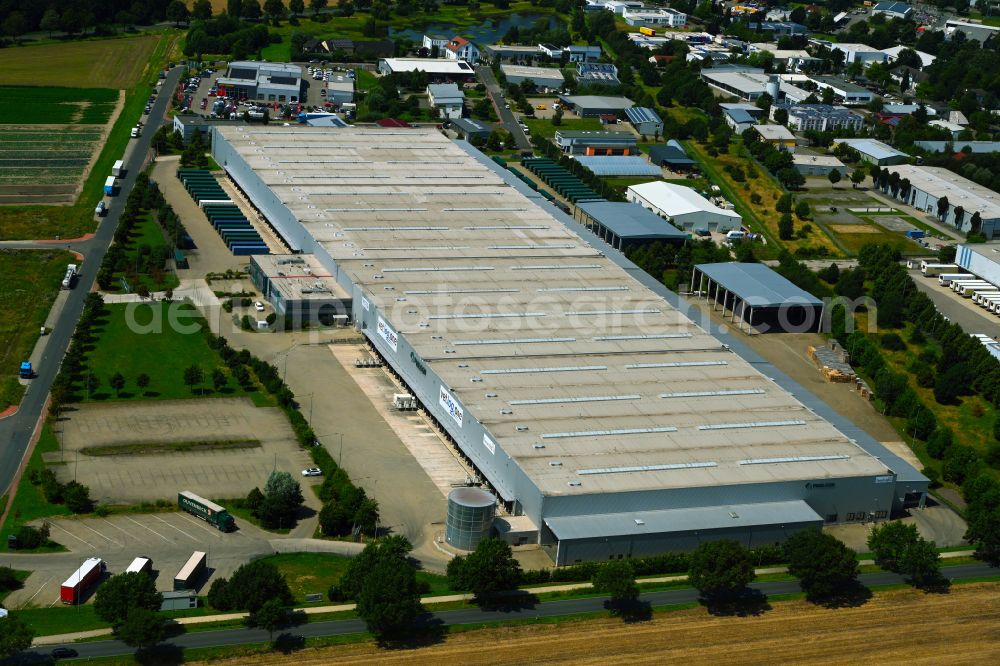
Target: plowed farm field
<point>894,627</point>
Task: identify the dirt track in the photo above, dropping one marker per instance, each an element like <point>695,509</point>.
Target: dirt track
<point>903,626</point>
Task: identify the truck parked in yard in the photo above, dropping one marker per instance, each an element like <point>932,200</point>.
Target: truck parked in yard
<point>81,580</point>
<point>191,573</point>
<point>209,511</point>
<point>141,565</point>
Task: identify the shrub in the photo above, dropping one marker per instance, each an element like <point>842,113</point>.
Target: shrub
<point>892,342</point>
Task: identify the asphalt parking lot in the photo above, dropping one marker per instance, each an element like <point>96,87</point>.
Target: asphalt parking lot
<point>221,473</point>
<point>168,539</point>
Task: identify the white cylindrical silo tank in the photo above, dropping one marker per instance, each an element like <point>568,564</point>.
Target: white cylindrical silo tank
<point>774,87</point>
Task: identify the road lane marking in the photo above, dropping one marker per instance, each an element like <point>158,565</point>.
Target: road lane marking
<point>149,529</point>
<point>81,524</point>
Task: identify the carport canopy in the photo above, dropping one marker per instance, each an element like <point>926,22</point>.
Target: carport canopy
<point>757,285</point>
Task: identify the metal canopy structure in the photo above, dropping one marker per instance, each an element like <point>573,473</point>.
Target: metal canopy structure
<point>757,288</point>
<point>617,223</point>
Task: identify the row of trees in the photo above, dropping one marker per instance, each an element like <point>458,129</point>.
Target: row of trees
<point>145,199</point>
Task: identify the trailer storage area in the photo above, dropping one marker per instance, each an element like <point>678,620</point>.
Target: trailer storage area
<point>192,572</point>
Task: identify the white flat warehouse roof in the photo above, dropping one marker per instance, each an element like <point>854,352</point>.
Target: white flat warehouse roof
<point>579,372</point>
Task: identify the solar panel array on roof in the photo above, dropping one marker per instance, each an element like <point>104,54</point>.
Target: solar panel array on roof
<point>624,165</point>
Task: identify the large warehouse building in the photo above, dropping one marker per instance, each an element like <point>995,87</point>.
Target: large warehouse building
<point>592,406</point>
<point>966,200</point>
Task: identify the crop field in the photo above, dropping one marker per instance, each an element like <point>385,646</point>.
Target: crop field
<point>105,63</point>
<point>893,627</point>
<point>47,147</point>
<point>56,106</point>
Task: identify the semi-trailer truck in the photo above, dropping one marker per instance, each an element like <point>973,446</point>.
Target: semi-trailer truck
<point>72,591</point>
<point>70,275</point>
<point>141,565</point>
<point>209,511</point>
<point>945,279</point>
<point>937,269</point>
<point>192,571</point>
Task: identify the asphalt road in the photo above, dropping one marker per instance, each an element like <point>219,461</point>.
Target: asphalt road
<point>464,616</point>
<point>16,430</point>
<point>507,117</point>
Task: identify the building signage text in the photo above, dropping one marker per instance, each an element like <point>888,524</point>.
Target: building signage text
<point>489,444</point>
<point>450,405</point>
<point>387,333</point>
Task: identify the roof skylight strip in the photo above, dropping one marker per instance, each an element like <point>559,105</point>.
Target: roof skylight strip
<point>567,368</point>
<point>461,291</point>
<point>395,228</point>
<point>393,248</point>
<point>561,289</point>
<point>485,209</point>
<point>488,315</point>
<point>753,424</point>
<point>535,246</point>
<point>707,394</point>
<point>645,468</point>
<point>375,210</point>
<point>586,398</point>
<point>436,269</point>
<point>511,341</point>
<point>503,227</point>
<point>675,364</point>
<point>549,267</point>
<point>606,433</point>
<point>769,461</point>
<point>649,336</point>
<point>604,312</point>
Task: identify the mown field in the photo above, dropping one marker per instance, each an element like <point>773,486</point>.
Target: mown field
<point>894,627</point>
<point>106,63</point>
<point>56,106</point>
<point>29,283</point>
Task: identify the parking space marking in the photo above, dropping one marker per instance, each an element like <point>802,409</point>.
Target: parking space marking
<point>188,519</point>
<point>149,529</point>
<point>175,527</point>
<point>118,528</point>
<point>40,588</point>
<point>73,535</point>
<point>107,538</point>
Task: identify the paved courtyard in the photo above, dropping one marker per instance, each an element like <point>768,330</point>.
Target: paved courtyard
<point>128,479</point>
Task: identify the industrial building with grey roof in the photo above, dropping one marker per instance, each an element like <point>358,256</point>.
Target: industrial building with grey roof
<point>582,394</point>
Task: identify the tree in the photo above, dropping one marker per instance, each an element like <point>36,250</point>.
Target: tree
<point>142,628</point>
<point>720,569</point>
<point>177,12</point>
<point>50,21</point>
<point>15,25</point>
<point>317,5</point>
<point>275,9</point>
<point>361,568</point>
<point>193,376</point>
<point>821,562</point>
<point>282,499</point>
<point>15,636</point>
<point>93,382</point>
<point>271,616</point>
<point>617,580</point>
<point>219,379</point>
<point>786,228</point>
<point>251,9</point>
<point>920,562</point>
<point>489,569</point>
<point>201,10</point>
<point>857,177</point>
<point>296,7</point>
<point>121,594</point>
<point>250,586</point>
<point>389,601</point>
<point>802,210</point>
<point>76,497</point>
<point>117,382</point>
<point>142,381</point>
<point>784,204</point>
<point>234,8</point>
<point>833,176</point>
<point>942,207</point>
<point>367,515</point>
<point>557,117</point>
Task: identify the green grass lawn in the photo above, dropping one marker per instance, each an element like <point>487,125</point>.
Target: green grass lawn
<point>314,573</point>
<point>160,340</point>
<point>62,619</point>
<point>147,233</point>
<point>542,127</point>
<point>29,503</point>
<point>29,283</point>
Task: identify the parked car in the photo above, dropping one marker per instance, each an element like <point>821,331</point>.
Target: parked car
<point>101,209</point>
<point>258,306</point>
<point>312,471</point>
<point>63,653</point>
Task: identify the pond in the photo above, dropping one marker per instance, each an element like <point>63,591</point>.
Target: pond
<point>487,32</point>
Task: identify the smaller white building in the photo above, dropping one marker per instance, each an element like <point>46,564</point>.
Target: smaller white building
<point>542,77</point>
<point>459,48</point>
<point>683,207</point>
<point>619,6</point>
<point>644,16</point>
<point>893,55</point>
<point>447,99</point>
<point>818,165</point>
<point>954,128</point>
